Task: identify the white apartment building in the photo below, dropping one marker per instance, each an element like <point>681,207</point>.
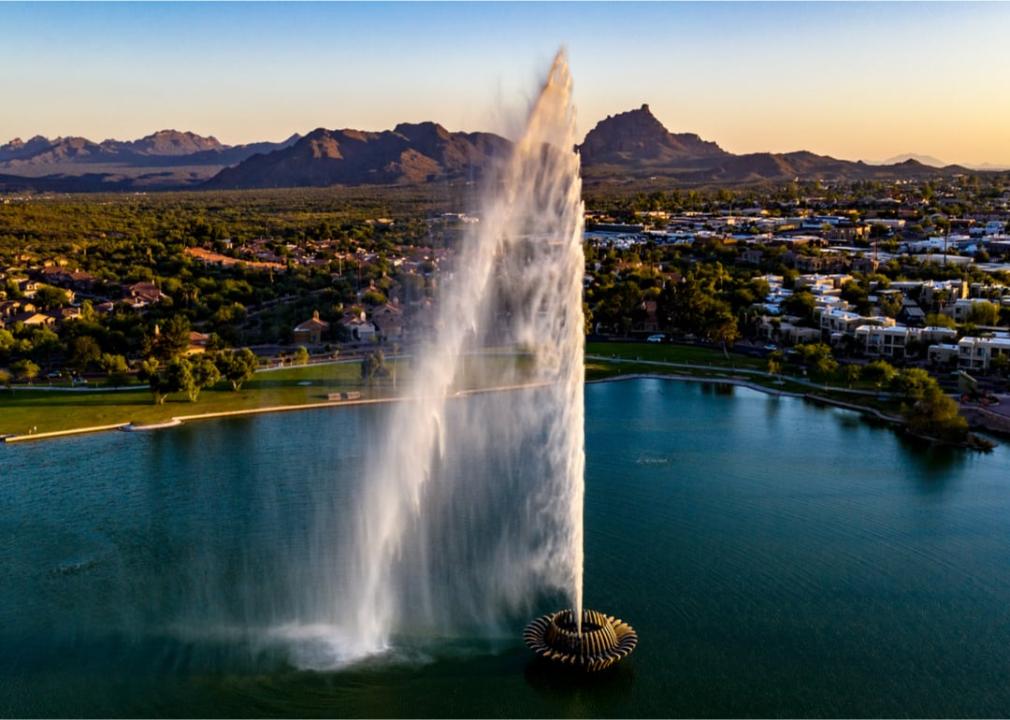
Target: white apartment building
<point>976,353</point>
<point>890,342</point>
<point>961,309</point>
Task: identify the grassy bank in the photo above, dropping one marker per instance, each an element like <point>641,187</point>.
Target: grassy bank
<point>663,352</point>
<point>50,411</point>
<point>53,410</point>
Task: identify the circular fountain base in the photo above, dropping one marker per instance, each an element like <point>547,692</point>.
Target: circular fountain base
<point>603,641</point>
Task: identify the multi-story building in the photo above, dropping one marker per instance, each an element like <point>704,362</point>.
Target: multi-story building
<point>977,353</point>
<point>884,341</point>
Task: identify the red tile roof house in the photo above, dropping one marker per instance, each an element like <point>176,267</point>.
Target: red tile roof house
<point>358,327</point>
<point>197,343</point>
<point>67,313</point>
<point>388,320</point>
<point>311,331</point>
<point>142,294</point>
<point>33,318</point>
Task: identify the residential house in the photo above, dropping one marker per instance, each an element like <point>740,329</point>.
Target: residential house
<point>64,314</point>
<point>142,294</point>
<point>197,343</point>
<point>388,321</point>
<point>10,308</point>
<point>311,331</point>
<point>33,319</point>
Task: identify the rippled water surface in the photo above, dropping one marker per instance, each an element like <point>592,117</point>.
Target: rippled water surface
<point>776,558</point>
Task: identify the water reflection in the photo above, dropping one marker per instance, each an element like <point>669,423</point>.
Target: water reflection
<point>839,563</point>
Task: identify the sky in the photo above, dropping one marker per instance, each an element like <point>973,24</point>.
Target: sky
<point>852,80</point>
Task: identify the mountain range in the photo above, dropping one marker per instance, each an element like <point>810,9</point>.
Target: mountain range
<point>409,153</point>
<point>162,160</point>
<point>632,146</point>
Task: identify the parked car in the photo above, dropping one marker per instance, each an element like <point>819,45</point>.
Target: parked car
<point>659,337</point>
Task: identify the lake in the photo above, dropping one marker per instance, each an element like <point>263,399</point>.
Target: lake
<point>776,558</point>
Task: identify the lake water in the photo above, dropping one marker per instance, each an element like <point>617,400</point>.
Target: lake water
<point>776,558</point>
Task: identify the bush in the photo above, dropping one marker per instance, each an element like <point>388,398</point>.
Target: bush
<point>879,372</point>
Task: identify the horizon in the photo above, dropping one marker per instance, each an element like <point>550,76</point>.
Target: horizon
<point>753,77</point>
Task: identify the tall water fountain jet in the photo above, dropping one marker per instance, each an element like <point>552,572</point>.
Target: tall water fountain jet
<point>472,509</point>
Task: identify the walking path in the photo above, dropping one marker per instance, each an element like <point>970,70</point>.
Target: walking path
<point>742,382</point>
<point>746,371</point>
<point>177,420</point>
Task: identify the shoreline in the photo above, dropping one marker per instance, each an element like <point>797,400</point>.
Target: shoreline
<point>179,420</point>
<point>740,382</point>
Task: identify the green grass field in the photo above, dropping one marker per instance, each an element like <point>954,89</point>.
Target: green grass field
<point>663,352</point>
<point>62,410</point>
<point>49,411</point>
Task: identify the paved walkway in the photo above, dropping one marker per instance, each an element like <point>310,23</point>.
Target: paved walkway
<point>746,371</point>
<point>742,382</point>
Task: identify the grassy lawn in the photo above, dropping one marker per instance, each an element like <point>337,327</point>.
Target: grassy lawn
<point>664,352</point>
<point>50,411</point>
<point>54,410</point>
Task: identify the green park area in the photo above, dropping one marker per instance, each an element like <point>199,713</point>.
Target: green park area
<point>55,410</point>
<point>667,352</point>
<point>47,409</point>
<point>38,410</point>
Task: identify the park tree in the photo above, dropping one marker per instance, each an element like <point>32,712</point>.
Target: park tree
<point>150,372</point>
<point>912,383</point>
<point>84,351</point>
<point>818,359</point>
<point>115,367</point>
<point>851,374</point>
<point>879,372</point>
<point>301,356</point>
<point>373,365</point>
<point>44,343</point>
<point>25,370</point>
<point>6,378</point>
<point>237,366</point>
<point>936,415</point>
<point>721,327</point>
<point>774,363</point>
<point>172,339</point>
<point>179,378</point>
<point>205,376</point>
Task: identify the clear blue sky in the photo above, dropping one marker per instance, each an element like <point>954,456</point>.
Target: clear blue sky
<point>852,80</point>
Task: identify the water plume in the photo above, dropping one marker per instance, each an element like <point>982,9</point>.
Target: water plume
<point>471,509</point>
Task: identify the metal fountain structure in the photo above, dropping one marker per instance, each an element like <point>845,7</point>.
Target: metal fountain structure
<point>596,644</point>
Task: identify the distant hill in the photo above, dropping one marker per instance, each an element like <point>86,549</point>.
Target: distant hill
<point>171,143</point>
<point>631,147</point>
<point>637,138</point>
<point>634,146</point>
<point>164,159</point>
<point>409,153</point>
<point>924,159</point>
